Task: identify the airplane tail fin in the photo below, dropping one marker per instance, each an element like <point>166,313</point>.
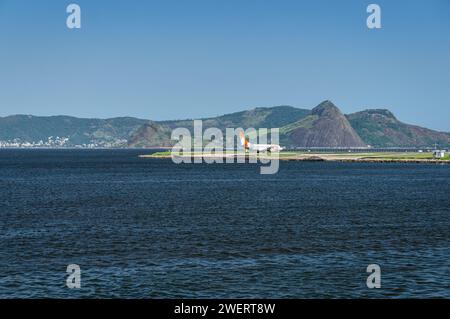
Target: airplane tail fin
<point>244,141</point>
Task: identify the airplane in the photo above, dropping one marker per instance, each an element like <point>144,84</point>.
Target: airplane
<point>259,147</point>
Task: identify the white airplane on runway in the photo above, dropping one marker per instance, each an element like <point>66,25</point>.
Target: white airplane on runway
<point>259,147</point>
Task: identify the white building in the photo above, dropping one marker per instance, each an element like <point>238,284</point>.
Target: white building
<point>438,154</point>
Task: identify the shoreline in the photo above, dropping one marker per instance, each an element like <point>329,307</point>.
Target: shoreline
<point>309,158</point>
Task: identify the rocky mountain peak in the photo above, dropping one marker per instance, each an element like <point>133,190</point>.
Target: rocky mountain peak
<point>326,108</point>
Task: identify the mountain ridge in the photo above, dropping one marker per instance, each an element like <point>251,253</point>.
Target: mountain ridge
<point>323,126</point>
<point>381,128</point>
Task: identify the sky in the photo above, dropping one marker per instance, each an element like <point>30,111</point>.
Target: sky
<point>172,59</point>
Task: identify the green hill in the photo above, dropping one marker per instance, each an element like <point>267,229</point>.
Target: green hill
<point>380,128</point>
<point>28,128</point>
<point>267,117</point>
<point>323,126</point>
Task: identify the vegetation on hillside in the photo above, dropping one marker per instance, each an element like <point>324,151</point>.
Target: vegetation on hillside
<point>324,126</point>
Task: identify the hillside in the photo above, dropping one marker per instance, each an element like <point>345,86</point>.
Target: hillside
<point>380,128</point>
<point>158,133</point>
<point>79,131</point>
<point>323,126</point>
<point>267,117</point>
<point>151,134</point>
<point>326,126</point>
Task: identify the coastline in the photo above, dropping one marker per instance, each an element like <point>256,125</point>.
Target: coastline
<point>344,158</point>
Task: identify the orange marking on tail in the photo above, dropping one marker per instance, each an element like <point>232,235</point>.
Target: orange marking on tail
<point>245,142</point>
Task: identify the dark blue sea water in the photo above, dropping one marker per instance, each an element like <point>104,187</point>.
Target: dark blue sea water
<point>148,228</point>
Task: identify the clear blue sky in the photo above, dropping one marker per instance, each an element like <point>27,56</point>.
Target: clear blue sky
<point>192,58</point>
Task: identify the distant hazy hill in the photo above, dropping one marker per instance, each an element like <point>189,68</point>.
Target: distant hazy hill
<point>27,128</point>
<point>324,126</point>
<point>380,128</point>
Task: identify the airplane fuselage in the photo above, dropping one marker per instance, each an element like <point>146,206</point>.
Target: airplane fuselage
<point>259,147</point>
<point>264,147</point>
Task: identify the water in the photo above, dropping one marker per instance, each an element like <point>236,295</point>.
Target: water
<point>147,228</point>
